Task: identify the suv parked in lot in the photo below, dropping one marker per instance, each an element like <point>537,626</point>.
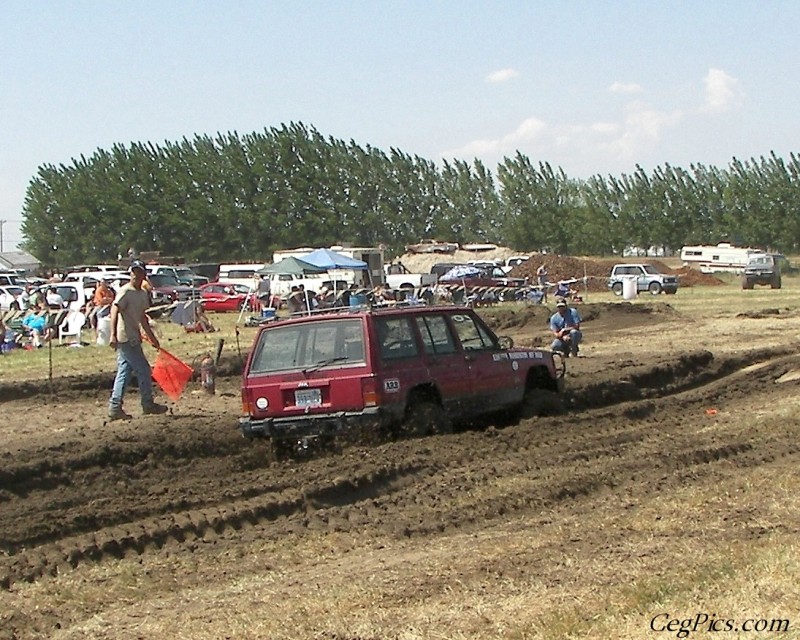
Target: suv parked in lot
<point>648,278</point>
<point>762,268</point>
<point>400,371</point>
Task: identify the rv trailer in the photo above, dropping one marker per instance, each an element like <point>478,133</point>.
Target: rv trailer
<point>721,257</point>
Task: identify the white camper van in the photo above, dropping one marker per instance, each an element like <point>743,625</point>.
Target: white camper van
<point>245,274</point>
<point>721,257</point>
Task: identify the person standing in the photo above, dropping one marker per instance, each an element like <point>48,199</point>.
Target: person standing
<point>541,280</point>
<point>128,321</point>
<point>565,324</point>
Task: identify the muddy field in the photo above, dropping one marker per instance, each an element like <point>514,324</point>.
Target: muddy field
<point>679,443</point>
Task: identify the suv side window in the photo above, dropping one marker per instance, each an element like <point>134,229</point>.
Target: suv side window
<point>473,336</point>
<point>395,338</point>
<point>436,336</point>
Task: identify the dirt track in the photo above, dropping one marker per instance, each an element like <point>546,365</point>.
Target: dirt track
<point>76,492</point>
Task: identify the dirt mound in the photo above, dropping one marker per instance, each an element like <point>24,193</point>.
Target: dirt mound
<point>422,262</point>
<point>692,278</point>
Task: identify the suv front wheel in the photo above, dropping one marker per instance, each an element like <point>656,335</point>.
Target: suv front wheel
<point>655,288</point>
<point>617,288</point>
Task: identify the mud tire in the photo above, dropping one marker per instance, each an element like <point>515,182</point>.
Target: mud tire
<point>541,402</point>
<point>425,418</point>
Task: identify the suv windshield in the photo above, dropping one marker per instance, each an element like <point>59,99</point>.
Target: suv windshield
<point>309,345</point>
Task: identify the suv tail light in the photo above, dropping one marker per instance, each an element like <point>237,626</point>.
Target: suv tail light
<point>369,391</point>
<point>245,404</point>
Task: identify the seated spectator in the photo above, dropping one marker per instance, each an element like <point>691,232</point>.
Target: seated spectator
<point>103,297</point>
<point>35,298</point>
<point>294,301</point>
<point>54,300</point>
<point>324,298</point>
<point>37,324</point>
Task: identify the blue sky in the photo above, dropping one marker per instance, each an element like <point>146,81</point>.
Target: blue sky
<point>592,87</point>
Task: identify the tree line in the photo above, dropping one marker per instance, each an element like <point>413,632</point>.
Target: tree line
<point>240,197</point>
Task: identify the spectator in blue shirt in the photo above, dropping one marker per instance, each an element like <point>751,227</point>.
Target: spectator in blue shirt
<point>36,324</point>
<point>565,324</point>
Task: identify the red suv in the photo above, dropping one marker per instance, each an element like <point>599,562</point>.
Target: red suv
<point>404,371</point>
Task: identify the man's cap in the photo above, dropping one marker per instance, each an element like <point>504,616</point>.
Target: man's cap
<point>138,264</point>
<point>561,303</point>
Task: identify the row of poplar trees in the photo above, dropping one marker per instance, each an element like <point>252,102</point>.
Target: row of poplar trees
<point>239,197</point>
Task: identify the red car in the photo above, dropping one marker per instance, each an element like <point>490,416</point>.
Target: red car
<point>221,296</point>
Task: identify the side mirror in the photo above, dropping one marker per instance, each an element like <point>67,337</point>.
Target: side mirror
<point>505,342</point>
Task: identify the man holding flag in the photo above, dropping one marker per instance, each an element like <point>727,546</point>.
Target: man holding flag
<point>128,321</point>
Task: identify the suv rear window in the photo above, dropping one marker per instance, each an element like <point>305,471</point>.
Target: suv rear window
<point>310,344</point>
<point>395,338</point>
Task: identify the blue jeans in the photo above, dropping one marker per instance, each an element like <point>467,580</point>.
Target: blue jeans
<point>570,346</point>
<point>131,359</point>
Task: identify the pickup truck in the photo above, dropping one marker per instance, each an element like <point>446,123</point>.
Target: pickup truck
<point>472,275</point>
<point>399,277</point>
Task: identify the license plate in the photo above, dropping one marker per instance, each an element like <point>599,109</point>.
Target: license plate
<point>307,397</point>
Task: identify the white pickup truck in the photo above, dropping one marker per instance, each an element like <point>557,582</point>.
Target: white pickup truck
<point>399,277</point>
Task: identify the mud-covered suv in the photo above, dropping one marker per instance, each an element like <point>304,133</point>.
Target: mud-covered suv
<point>401,371</point>
<point>762,268</point>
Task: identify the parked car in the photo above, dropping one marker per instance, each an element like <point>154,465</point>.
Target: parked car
<point>167,289</point>
<point>12,298</point>
<point>9,279</point>
<point>70,295</point>
<point>648,278</point>
<point>397,371</point>
<point>763,269</point>
<point>219,297</point>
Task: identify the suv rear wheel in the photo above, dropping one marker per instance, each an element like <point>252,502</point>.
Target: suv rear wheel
<point>425,418</point>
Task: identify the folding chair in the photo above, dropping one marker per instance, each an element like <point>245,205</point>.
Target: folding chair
<point>72,326</point>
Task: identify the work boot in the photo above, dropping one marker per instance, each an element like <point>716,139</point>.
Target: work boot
<point>154,409</point>
<point>118,414</point>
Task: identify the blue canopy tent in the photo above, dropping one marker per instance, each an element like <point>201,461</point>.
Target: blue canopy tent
<point>331,260</point>
<point>328,259</point>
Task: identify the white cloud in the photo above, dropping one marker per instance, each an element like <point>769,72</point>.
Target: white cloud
<point>625,87</point>
<point>722,91</point>
<point>636,132</point>
<point>527,132</point>
<point>502,75</point>
<point>642,126</point>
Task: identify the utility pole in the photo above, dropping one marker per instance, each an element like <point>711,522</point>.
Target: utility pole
<point>2,222</point>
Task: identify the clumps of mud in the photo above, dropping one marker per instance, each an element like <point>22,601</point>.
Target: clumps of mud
<point>757,315</point>
<point>538,316</point>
